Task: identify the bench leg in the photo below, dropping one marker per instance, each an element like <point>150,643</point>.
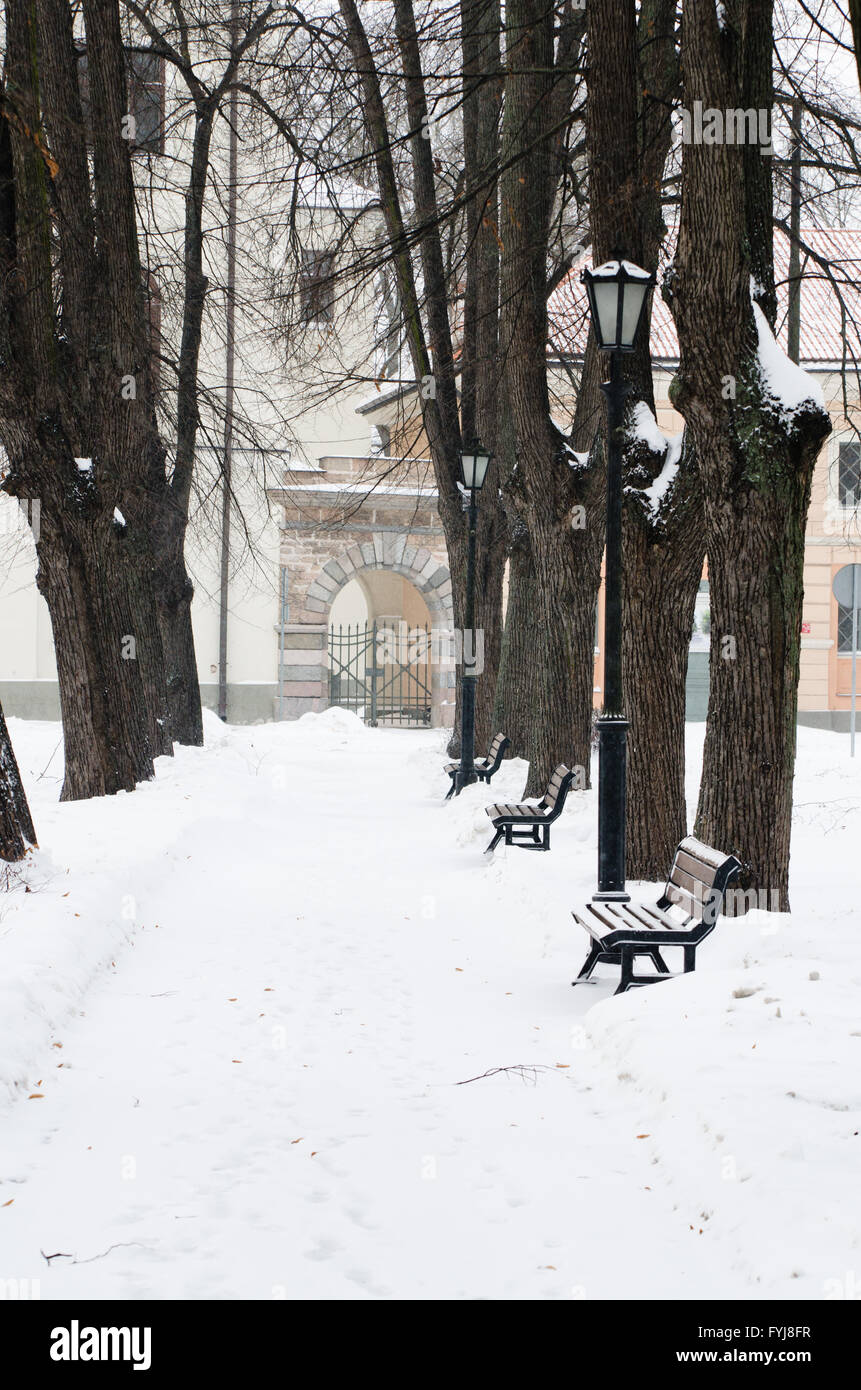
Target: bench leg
<point>627,976</point>
<point>495,841</point>
<point>629,957</point>
<point>453,787</point>
<point>589,963</point>
<point>545,831</point>
<point>690,958</point>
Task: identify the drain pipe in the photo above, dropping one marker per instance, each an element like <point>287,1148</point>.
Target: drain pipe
<point>282,632</point>
<point>230,347</point>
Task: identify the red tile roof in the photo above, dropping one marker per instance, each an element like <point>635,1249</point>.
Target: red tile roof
<point>827,330</point>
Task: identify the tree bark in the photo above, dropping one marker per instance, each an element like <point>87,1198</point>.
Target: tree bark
<point>663,561</point>
<point>517,684</point>
<point>101,627</point>
<point>755,455</point>
<point>16,826</point>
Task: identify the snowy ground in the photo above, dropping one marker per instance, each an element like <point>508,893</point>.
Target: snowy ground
<point>235,1007</point>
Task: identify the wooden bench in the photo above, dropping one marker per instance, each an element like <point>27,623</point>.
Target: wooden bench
<point>528,823</point>
<point>484,767</point>
<point>683,916</point>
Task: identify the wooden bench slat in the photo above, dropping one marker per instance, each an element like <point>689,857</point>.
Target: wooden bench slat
<point>606,914</point>
<point>691,845</point>
<point>644,918</point>
<point>684,899</point>
<point>694,886</point>
<point>696,868</point>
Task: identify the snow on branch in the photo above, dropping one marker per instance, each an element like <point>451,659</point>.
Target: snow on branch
<point>789,386</point>
<point>644,428</point>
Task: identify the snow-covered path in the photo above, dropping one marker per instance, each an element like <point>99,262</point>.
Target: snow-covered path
<point>258,1097</point>
<point>259,1100</point>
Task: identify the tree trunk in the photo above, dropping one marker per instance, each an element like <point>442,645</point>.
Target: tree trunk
<point>174,592</point>
<point>489,571</point>
<point>663,562</point>
<point>16,826</point>
<point>517,683</point>
<point>567,583</point>
<point>755,455</point>
<point>103,630</point>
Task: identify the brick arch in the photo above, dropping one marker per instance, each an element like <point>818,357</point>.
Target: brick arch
<point>383,552</point>
<point>303,675</point>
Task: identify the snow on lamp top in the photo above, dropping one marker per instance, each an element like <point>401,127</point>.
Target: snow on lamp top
<point>617,293</point>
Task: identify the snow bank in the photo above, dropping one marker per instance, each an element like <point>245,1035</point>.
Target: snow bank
<point>55,938</point>
<point>214,729</point>
<point>332,728</point>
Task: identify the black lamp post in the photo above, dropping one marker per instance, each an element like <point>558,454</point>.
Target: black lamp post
<point>617,294</point>
<point>474,462</point>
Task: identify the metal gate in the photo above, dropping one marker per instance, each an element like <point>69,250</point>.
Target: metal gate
<point>382,675</point>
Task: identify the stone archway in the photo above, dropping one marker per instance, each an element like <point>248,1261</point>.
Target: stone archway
<point>304,666</point>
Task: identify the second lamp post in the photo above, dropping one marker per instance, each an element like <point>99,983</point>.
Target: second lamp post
<point>617,294</point>
<point>474,462</point>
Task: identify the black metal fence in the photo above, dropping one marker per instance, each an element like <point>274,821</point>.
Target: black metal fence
<point>382,675</point>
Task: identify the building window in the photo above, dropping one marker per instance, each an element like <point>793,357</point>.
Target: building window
<point>145,88</point>
<point>844,630</point>
<point>146,100</point>
<point>388,330</point>
<point>849,473</point>
<point>317,286</point>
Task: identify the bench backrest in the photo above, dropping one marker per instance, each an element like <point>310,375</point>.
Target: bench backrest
<point>698,880</point>
<point>557,789</point>
<point>495,751</point>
